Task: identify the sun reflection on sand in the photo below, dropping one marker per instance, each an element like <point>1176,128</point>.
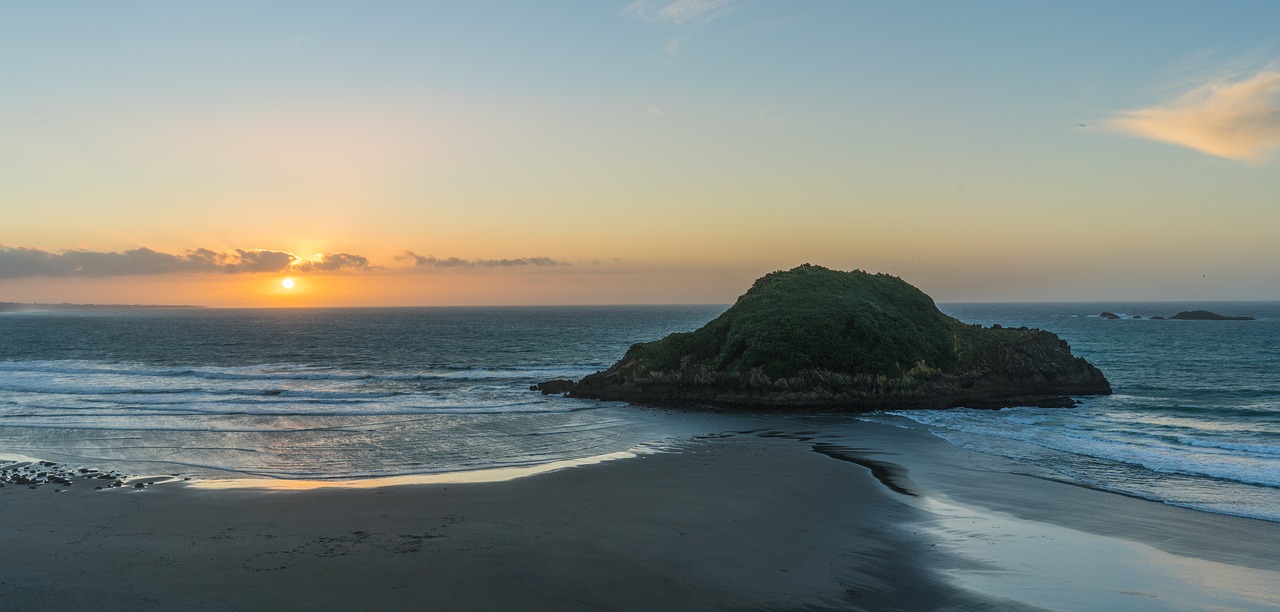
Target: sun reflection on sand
<point>473,476</point>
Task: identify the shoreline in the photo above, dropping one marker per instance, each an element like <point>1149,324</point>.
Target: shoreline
<point>1013,487</point>
<point>476,476</point>
<point>1063,545</point>
<point>789,512</point>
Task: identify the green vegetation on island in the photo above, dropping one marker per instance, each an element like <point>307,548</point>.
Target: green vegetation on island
<point>812,318</point>
<point>812,337</point>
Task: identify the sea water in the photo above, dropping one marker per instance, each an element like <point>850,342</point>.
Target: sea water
<point>358,393</point>
<point>1195,416</point>
<point>321,393</point>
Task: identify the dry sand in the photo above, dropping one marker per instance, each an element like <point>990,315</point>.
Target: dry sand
<point>745,521</point>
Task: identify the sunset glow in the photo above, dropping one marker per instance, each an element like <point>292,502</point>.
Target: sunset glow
<point>287,283</point>
<point>422,155</point>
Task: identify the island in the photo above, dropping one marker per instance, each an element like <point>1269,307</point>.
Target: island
<point>813,338</point>
<point>1205,315</point>
<point>1186,315</point>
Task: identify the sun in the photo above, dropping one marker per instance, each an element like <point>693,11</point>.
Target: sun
<point>287,283</point>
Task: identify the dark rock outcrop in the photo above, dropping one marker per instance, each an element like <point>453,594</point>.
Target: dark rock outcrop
<point>1109,315</point>
<point>1205,315</point>
<point>553,387</point>
<point>38,473</point>
<point>814,338</point>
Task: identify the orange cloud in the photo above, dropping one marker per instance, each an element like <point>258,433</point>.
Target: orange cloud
<point>332,262</point>
<point>1235,120</point>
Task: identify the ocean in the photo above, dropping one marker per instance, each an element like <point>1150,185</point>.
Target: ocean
<point>1194,420</point>
<point>333,394</point>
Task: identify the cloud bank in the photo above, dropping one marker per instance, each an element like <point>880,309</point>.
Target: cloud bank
<point>22,262</point>
<point>19,262</point>
<point>453,262</point>
<point>1236,120</point>
<point>679,12</point>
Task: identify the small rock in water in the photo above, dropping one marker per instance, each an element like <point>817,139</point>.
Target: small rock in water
<point>140,486</point>
<point>553,387</point>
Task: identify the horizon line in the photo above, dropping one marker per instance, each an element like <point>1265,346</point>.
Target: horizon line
<point>72,306</point>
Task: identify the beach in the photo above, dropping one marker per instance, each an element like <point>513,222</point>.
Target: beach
<point>798,514</point>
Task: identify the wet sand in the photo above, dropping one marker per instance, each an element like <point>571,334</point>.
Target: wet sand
<point>1066,547</point>
<point>861,516</point>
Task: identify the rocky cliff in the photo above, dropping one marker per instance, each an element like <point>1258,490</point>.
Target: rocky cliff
<point>814,338</point>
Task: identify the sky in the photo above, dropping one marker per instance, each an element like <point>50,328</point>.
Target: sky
<point>655,151</point>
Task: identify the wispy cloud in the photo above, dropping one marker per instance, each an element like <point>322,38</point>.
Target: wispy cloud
<point>655,111</point>
<point>19,262</point>
<point>1237,120</point>
<point>454,262</point>
<point>679,12</point>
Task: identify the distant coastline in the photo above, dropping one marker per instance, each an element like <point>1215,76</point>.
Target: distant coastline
<point>26,307</point>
